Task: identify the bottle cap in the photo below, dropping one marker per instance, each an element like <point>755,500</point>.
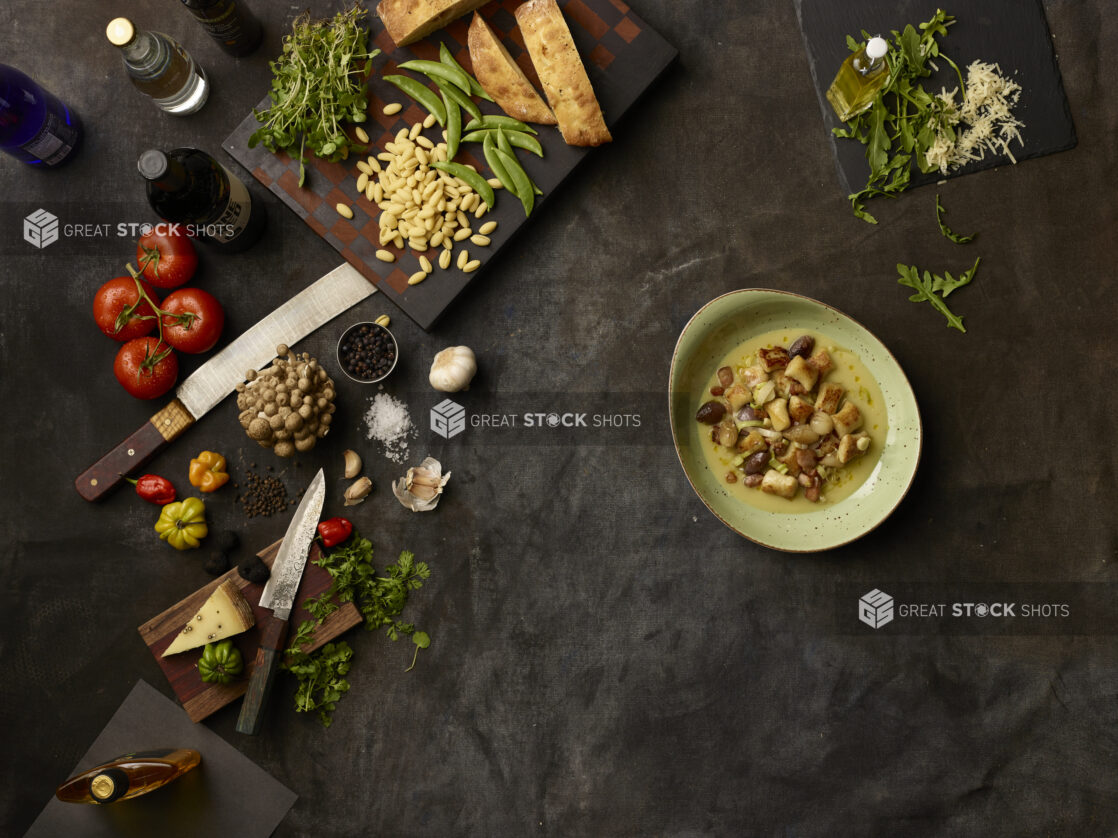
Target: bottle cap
<point>153,164</point>
<point>120,31</point>
<point>876,48</point>
<point>102,786</point>
<point>109,785</point>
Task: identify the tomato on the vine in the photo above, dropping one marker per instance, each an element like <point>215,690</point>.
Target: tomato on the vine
<point>193,320</point>
<point>166,256</point>
<point>146,368</point>
<point>113,299</point>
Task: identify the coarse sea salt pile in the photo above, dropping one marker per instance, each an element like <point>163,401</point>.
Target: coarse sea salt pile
<point>389,423</point>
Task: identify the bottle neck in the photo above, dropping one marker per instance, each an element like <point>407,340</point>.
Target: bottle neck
<point>146,55</point>
<point>175,179</point>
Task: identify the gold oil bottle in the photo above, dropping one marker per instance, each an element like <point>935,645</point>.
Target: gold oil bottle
<point>859,78</point>
<point>128,776</point>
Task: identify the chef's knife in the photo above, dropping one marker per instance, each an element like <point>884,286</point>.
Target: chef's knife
<point>312,307</point>
<point>279,596</point>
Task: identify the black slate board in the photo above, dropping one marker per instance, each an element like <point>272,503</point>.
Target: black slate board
<point>1011,33</point>
<point>623,56</point>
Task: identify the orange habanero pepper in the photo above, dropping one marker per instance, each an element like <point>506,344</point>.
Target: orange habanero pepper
<point>207,471</point>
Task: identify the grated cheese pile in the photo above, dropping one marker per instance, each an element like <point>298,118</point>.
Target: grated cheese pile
<point>987,111</point>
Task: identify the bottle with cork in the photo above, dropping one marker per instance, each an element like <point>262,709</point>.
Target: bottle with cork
<point>128,776</point>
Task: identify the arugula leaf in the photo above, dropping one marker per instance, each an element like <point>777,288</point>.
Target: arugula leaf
<point>933,288</point>
<point>943,228</point>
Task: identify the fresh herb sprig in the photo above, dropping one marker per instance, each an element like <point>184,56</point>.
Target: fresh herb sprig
<point>904,118</point>
<point>943,228</point>
<point>380,599</point>
<point>933,288</point>
<point>317,85</point>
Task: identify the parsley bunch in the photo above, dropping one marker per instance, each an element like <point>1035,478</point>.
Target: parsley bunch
<point>904,119</point>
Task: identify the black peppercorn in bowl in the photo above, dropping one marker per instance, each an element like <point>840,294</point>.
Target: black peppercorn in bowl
<point>367,352</point>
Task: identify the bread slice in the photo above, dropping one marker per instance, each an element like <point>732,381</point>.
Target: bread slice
<point>561,73</point>
<point>410,20</point>
<point>502,79</point>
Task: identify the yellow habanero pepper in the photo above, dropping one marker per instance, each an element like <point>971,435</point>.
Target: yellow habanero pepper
<point>207,471</point>
<point>183,524</point>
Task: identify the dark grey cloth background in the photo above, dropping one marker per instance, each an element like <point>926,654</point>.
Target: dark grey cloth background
<point>607,659</point>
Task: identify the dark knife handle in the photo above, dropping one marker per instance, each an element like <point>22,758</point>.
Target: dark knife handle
<point>105,474</point>
<point>263,674</point>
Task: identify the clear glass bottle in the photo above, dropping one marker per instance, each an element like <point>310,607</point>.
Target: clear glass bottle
<point>160,68</point>
<point>128,776</point>
<point>859,78</point>
<point>229,22</point>
<point>35,126</point>
<point>188,186</point>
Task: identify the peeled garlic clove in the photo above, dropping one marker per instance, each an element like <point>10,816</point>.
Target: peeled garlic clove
<point>358,491</point>
<point>352,463</point>
<point>420,489</point>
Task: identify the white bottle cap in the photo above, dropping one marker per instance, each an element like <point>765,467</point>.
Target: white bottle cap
<point>876,48</point>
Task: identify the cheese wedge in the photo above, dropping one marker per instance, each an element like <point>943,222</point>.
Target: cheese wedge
<point>561,73</point>
<point>224,614</point>
<point>502,78</point>
<point>410,20</point>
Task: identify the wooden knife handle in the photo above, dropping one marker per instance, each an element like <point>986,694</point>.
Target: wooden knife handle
<point>263,674</point>
<point>105,474</point>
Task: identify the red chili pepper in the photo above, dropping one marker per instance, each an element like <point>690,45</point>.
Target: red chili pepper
<point>154,489</point>
<point>334,531</point>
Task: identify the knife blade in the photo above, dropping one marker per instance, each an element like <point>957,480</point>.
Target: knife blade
<point>279,596</point>
<point>311,308</point>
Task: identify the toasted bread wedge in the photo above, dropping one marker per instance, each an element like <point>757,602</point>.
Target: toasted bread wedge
<point>502,79</point>
<point>561,73</point>
<point>410,20</point>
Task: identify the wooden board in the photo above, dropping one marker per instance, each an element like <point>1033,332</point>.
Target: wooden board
<point>623,57</point>
<point>200,699</point>
<point>1011,33</point>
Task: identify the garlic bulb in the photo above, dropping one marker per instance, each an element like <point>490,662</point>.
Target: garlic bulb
<point>453,369</point>
<point>420,489</point>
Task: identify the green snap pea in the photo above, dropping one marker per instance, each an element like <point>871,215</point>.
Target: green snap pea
<point>475,181</point>
<point>464,102</point>
<point>503,143</point>
<point>490,150</point>
<point>475,87</point>
<point>453,125</point>
<point>524,141</point>
<point>422,94</point>
<point>431,69</point>
<point>520,179</point>
<point>498,121</point>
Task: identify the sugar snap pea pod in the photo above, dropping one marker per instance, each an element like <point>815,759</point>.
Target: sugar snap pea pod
<point>464,102</point>
<point>524,141</point>
<point>520,178</point>
<point>422,94</point>
<point>497,121</point>
<point>432,69</point>
<point>453,125</point>
<point>490,150</point>
<point>475,181</point>
<point>503,143</point>
<point>475,87</point>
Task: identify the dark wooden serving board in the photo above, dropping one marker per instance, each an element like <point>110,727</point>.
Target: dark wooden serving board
<point>1011,33</point>
<point>623,57</point>
<point>200,699</point>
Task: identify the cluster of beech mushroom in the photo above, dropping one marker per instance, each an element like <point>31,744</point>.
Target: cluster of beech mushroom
<point>287,407</point>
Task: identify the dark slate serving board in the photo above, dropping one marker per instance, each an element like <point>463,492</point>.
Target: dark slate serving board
<point>1011,33</point>
<point>623,57</point>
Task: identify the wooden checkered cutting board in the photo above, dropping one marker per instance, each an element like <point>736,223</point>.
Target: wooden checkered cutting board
<point>623,57</point>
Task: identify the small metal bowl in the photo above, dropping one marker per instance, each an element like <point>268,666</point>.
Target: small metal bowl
<point>375,327</point>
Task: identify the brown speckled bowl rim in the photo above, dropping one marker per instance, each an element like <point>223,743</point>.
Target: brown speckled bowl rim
<point>676,431</point>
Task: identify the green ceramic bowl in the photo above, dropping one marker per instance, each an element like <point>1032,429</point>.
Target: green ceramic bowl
<point>733,318</point>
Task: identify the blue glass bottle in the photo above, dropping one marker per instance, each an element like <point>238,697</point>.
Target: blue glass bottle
<point>35,126</point>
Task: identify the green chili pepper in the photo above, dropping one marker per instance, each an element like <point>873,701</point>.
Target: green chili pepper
<point>520,179</point>
<point>422,94</point>
<point>464,102</point>
<point>437,68</point>
<point>475,181</point>
<point>453,124</point>
<point>220,663</point>
<point>516,138</point>
<point>494,162</point>
<point>497,121</point>
<point>475,88</point>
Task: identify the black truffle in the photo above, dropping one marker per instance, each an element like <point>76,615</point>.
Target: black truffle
<point>254,570</point>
